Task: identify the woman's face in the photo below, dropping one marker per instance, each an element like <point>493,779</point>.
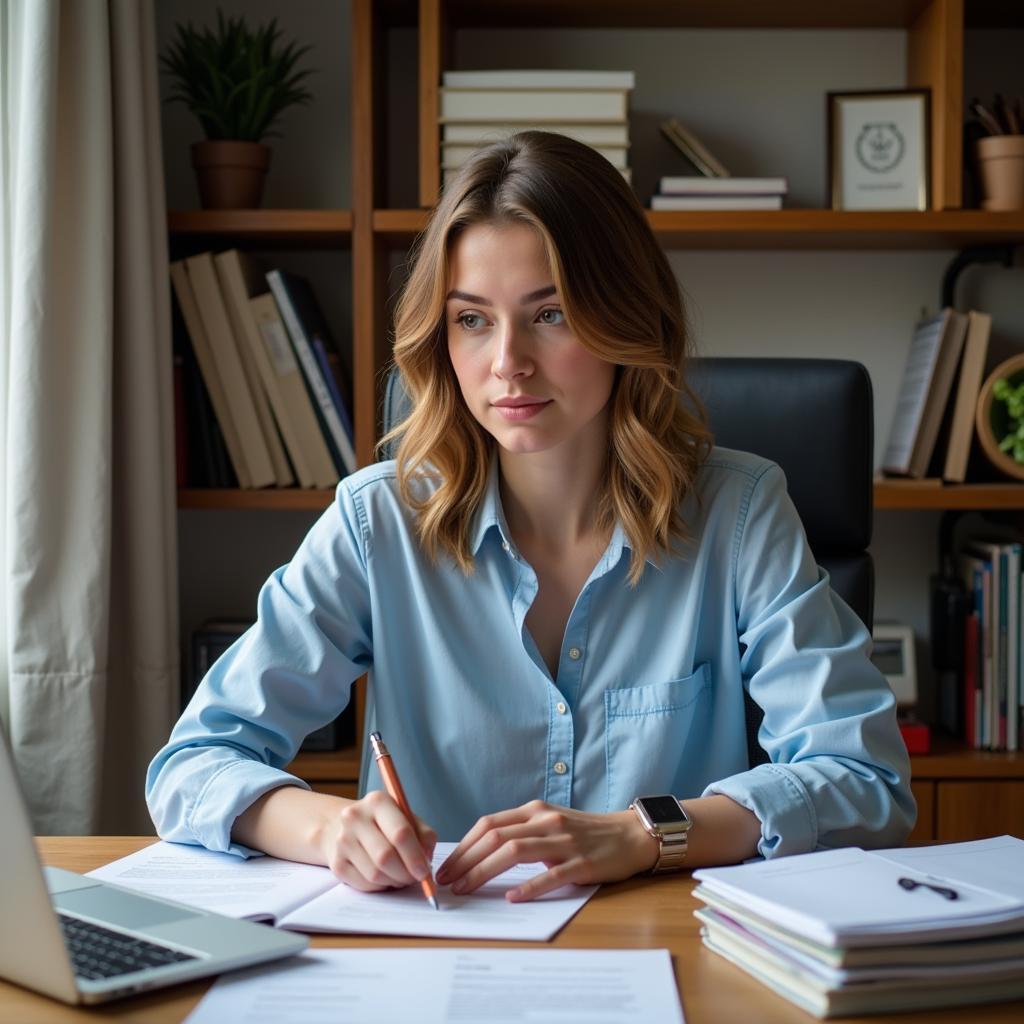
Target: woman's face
<point>523,374</point>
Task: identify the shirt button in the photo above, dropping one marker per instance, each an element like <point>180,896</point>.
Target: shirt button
<point>574,653</point>
<point>560,768</point>
<point>561,708</point>
<point>505,546</point>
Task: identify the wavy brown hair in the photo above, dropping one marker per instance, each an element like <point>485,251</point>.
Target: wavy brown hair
<point>620,299</point>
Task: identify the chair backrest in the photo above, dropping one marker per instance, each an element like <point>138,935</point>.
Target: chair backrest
<point>814,417</point>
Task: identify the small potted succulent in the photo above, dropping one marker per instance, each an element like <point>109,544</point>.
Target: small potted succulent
<point>237,82</point>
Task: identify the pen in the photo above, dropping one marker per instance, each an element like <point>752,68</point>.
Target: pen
<point>395,791</point>
<point>910,884</point>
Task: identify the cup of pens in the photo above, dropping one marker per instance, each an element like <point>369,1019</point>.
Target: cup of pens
<point>1000,154</point>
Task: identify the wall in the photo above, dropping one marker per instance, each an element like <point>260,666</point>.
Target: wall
<point>757,98</point>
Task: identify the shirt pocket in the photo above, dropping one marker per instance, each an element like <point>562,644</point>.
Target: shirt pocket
<point>646,732</point>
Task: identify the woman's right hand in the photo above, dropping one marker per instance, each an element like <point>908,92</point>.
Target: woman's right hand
<point>371,845</point>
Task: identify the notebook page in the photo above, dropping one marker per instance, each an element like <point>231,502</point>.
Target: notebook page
<point>260,888</point>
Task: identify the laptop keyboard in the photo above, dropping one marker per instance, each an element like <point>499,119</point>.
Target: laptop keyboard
<point>98,952</point>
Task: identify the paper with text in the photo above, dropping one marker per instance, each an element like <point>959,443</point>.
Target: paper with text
<point>260,888</point>
<point>484,914</point>
<point>445,986</point>
<point>308,898</point>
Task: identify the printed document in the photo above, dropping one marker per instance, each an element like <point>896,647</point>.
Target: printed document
<point>445,986</point>
<point>308,898</point>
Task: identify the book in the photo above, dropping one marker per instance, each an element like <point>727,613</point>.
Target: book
<point>972,371</point>
<point>295,398</point>
<point>307,897</point>
<point>240,281</point>
<point>482,133</point>
<point>456,154</point>
<point>686,185</point>
<point>549,78</point>
<point>303,319</point>
<point>693,149</point>
<point>182,286</point>
<point>450,173</point>
<point>224,347</point>
<point>716,202</point>
<point>535,105</point>
<point>924,389</point>
<point>330,367</point>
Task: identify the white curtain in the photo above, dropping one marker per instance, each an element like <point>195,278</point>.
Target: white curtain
<point>88,605</point>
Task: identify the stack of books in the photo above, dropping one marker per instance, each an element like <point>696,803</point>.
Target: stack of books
<point>714,188</point>
<point>265,398</point>
<point>843,932</point>
<point>699,193</point>
<point>481,107</point>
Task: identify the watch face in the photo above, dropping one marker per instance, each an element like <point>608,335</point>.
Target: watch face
<point>662,808</point>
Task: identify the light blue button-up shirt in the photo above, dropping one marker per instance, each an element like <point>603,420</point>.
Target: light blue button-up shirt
<point>647,699</point>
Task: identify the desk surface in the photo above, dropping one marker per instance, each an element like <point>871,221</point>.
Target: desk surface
<point>640,913</point>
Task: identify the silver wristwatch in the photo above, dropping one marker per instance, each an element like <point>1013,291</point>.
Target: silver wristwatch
<point>664,818</point>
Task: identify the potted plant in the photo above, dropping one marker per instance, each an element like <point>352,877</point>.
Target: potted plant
<point>1000,417</point>
<point>237,82</point>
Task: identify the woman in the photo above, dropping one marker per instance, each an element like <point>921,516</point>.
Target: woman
<point>559,588</point>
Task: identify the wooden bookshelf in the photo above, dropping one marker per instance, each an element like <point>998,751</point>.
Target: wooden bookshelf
<point>315,228</point>
<point>898,494</point>
<point>790,229</point>
<point>373,233</point>
<point>279,499</point>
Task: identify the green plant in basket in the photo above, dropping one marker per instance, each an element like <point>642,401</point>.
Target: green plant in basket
<point>235,80</point>
<point>1012,396</point>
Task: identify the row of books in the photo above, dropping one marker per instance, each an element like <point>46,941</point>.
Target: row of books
<point>714,188</point>
<point>993,633</point>
<point>933,425</point>
<point>270,373</point>
<point>481,107</point>
<point>849,931</point>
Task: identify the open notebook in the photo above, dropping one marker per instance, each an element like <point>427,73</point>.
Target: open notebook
<point>306,898</point>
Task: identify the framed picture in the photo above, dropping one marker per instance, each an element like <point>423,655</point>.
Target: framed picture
<point>878,150</point>
<point>893,655</point>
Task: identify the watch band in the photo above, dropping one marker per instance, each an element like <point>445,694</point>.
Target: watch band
<point>673,840</point>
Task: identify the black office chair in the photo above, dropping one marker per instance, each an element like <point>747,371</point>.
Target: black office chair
<point>814,417</point>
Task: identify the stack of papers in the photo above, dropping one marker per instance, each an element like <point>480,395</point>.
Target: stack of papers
<point>307,898</point>
<point>851,931</point>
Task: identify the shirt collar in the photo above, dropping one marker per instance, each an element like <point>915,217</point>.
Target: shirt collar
<point>491,514</point>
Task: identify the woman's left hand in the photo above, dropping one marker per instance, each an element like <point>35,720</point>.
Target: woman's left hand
<point>577,847</point>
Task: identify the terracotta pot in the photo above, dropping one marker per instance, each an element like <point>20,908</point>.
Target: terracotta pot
<point>1001,168</point>
<point>230,174</point>
<point>991,417</point>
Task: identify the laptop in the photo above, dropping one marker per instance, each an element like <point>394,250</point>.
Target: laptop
<point>84,941</point>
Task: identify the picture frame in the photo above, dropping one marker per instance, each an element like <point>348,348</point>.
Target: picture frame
<point>879,149</point>
<point>892,653</point>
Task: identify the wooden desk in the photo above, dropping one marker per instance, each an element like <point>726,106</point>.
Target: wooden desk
<point>641,913</point>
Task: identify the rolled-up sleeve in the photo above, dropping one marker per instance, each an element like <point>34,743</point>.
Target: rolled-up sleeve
<point>839,772</point>
<point>286,676</point>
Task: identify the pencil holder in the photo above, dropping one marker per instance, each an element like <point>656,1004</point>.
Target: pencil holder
<point>1001,169</point>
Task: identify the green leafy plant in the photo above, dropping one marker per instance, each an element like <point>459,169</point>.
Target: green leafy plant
<point>1013,396</point>
<point>236,81</point>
